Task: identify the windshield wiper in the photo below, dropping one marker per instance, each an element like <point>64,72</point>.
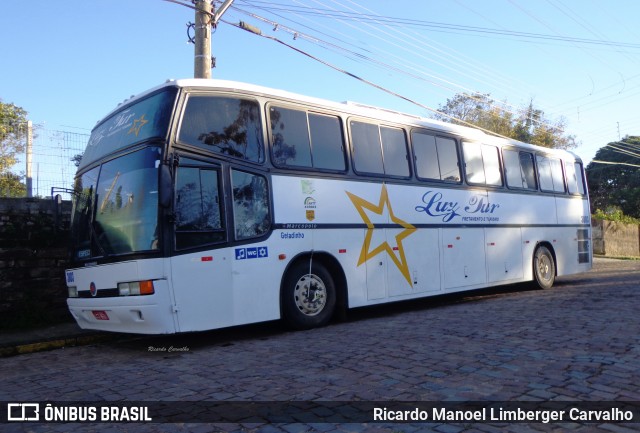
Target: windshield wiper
<point>94,233</point>
<point>94,236</point>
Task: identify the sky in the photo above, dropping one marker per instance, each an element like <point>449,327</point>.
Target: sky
<point>70,62</point>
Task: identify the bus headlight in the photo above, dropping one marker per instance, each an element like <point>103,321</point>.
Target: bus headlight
<point>73,292</point>
<point>135,288</point>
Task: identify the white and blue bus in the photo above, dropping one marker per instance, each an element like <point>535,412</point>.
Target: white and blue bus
<point>203,204</point>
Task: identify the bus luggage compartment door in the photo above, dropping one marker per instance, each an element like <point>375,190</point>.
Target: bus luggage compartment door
<point>464,257</point>
<point>504,254</point>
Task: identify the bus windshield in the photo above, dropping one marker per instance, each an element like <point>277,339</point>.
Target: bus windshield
<point>116,206</point>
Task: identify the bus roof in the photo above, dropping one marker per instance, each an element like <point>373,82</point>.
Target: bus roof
<point>353,108</point>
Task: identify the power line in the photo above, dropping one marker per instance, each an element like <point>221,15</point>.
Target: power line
<point>614,163</point>
<point>461,29</point>
<point>503,106</point>
<point>356,52</point>
<point>365,81</point>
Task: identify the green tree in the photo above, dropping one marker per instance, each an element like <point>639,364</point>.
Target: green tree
<point>616,186</point>
<point>13,127</point>
<point>527,124</point>
<point>11,185</point>
<point>77,158</point>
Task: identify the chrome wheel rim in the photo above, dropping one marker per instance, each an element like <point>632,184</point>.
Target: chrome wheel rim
<point>544,268</point>
<point>310,295</point>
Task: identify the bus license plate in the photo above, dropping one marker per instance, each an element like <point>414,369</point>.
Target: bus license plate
<point>100,315</point>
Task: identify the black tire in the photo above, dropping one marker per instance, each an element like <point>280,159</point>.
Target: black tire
<point>544,268</point>
<point>308,299</point>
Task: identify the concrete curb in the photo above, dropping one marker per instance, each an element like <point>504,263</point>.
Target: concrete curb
<point>55,343</point>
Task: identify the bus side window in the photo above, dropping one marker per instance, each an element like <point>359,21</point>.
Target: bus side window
<point>290,145</point>
<point>491,162</point>
<point>482,164</point>
<point>550,173</point>
<point>448,160</point>
<point>579,178</point>
<point>474,168</point>
<point>519,169</point>
<point>301,139</point>
<point>436,157</point>
<point>528,170</point>
<point>426,156</point>
<point>379,149</point>
<point>394,151</point>
<point>557,175</point>
<point>327,142</point>
<point>572,180</point>
<point>228,126</point>
<point>197,208</point>
<point>544,173</point>
<point>515,178</point>
<point>367,150</point>
<point>251,215</point>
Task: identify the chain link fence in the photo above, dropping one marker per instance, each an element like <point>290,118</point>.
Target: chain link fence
<point>36,161</point>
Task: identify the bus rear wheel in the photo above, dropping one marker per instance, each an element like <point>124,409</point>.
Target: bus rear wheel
<point>308,296</point>
<point>544,268</point>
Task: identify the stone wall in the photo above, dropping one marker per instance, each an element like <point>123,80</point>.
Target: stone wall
<point>615,239</point>
<point>33,256</point>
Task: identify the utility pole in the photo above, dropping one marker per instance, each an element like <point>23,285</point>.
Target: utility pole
<point>205,20</point>
<point>202,59</point>
<point>29,158</point>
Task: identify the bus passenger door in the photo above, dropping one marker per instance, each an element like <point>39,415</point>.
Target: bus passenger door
<point>200,266</point>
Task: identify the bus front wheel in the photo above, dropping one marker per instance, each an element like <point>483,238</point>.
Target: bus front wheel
<point>544,268</point>
<point>308,296</point>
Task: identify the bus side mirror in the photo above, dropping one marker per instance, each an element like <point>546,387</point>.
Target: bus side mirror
<point>165,188</point>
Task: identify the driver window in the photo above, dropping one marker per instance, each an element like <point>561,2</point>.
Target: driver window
<point>251,215</point>
<point>198,208</point>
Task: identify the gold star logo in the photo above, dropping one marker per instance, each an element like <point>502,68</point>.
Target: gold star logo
<point>367,253</point>
<point>137,124</point>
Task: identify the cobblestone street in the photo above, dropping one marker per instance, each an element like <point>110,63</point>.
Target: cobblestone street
<point>576,342</point>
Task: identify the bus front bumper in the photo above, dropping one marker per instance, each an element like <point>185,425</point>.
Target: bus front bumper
<point>122,315</point>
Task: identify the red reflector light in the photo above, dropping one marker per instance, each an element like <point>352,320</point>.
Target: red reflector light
<point>100,315</point>
<point>206,259</point>
<point>342,251</point>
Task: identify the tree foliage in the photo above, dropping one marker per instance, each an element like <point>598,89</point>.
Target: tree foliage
<point>527,124</point>
<point>11,185</point>
<point>616,187</point>
<point>77,158</point>
<point>13,128</point>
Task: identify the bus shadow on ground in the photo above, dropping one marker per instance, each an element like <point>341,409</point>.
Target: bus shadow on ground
<point>177,344</point>
<point>435,301</point>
